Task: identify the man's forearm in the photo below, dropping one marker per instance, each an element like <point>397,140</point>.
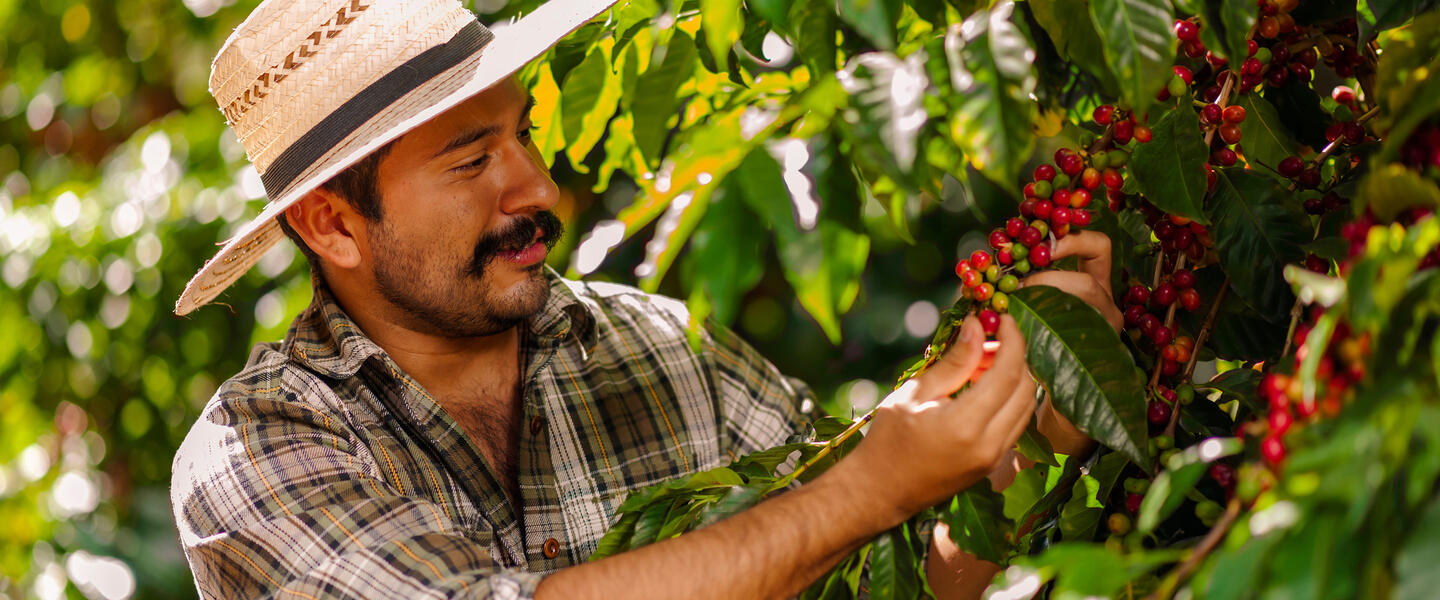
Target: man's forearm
<point>772,550</point>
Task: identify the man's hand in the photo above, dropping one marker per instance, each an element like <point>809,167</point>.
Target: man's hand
<point>1092,282</point>
<point>924,446</point>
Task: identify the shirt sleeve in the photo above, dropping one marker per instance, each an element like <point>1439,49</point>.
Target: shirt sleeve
<point>758,406</point>
<point>272,499</point>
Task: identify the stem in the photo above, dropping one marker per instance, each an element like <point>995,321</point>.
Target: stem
<point>824,452</point>
<point>1192,561</point>
<point>1205,330</point>
<point>1222,101</point>
<point>1169,317</point>
<point>1330,148</point>
<point>1295,313</point>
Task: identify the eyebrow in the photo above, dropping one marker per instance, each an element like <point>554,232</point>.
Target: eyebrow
<point>474,135</point>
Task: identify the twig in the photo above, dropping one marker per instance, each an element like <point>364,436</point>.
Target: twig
<point>1295,313</point>
<point>1192,561</point>
<point>1169,317</point>
<point>1205,330</point>
<point>1222,100</point>
<point>1330,148</point>
<point>824,452</point>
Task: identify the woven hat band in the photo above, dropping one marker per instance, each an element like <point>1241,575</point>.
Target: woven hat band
<point>367,103</point>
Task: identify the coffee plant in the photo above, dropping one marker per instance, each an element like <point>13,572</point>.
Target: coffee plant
<point>1266,172</point>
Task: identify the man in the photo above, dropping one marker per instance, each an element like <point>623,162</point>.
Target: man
<point>449,418</point>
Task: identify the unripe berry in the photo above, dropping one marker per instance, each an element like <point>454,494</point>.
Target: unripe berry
<point>1000,301</point>
<point>1176,87</point>
<point>1184,394</point>
<point>1019,252</point>
<point>1040,189</point>
<point>1041,226</point>
<point>1022,266</point>
<point>1008,283</point>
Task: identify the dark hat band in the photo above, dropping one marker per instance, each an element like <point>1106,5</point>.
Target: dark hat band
<point>358,110</point>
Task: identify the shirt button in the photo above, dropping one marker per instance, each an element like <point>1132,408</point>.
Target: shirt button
<point>552,548</point>
<point>536,424</point>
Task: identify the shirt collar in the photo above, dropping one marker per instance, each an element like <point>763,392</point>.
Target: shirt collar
<point>324,339</point>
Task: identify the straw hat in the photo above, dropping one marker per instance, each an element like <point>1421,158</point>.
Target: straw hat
<point>313,86</point>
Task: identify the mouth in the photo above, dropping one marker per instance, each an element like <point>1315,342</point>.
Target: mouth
<point>530,255</point>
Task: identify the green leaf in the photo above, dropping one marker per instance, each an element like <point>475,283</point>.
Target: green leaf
<point>1022,493</point>
<point>1034,446</point>
<point>1236,572</point>
<point>895,566</point>
<point>726,254</point>
<point>1256,234</point>
<point>1408,58</point>
<point>1168,490</point>
<point>1073,33</point>
<point>1085,570</point>
<point>823,265</point>
<point>1393,188</point>
<point>657,99</point>
<point>1138,44</point>
<point>874,19</point>
<point>1378,15</point>
<point>978,524</point>
<point>1242,384</point>
<point>1080,517</point>
<point>1263,136</point>
<point>723,24</point>
<point>588,99</point>
<point>992,77</point>
<point>887,94</point>
<point>617,538</point>
<point>812,31</point>
<point>1170,169</point>
<point>1238,17</point>
<point>1091,377</point>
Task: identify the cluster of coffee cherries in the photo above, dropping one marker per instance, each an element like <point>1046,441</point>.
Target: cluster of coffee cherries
<point>1340,367</point>
<point>1056,202</point>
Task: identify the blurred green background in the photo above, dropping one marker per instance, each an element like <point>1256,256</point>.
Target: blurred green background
<point>118,177</point>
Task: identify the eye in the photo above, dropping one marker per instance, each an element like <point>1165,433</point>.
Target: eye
<point>526,133</point>
<point>474,165</point>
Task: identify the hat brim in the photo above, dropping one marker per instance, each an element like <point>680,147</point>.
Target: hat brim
<point>513,47</point>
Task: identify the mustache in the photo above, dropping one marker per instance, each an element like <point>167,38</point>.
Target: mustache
<point>515,236</point>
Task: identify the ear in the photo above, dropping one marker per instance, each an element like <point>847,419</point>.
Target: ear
<point>328,225</point>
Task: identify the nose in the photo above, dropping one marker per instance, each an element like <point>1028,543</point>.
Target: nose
<point>527,186</point>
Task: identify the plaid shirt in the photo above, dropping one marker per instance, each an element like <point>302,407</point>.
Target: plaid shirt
<point>323,470</point>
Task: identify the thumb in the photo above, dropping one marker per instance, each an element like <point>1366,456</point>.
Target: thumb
<point>956,366</point>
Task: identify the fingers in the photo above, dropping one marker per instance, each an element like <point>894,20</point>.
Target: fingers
<point>1017,411</point>
<point>956,366</point>
<point>1084,287</point>
<point>996,385</point>
<point>1093,250</point>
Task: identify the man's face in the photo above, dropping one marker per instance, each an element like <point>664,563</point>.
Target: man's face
<point>466,224</point>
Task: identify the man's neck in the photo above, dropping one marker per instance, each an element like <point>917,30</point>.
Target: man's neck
<point>447,367</point>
